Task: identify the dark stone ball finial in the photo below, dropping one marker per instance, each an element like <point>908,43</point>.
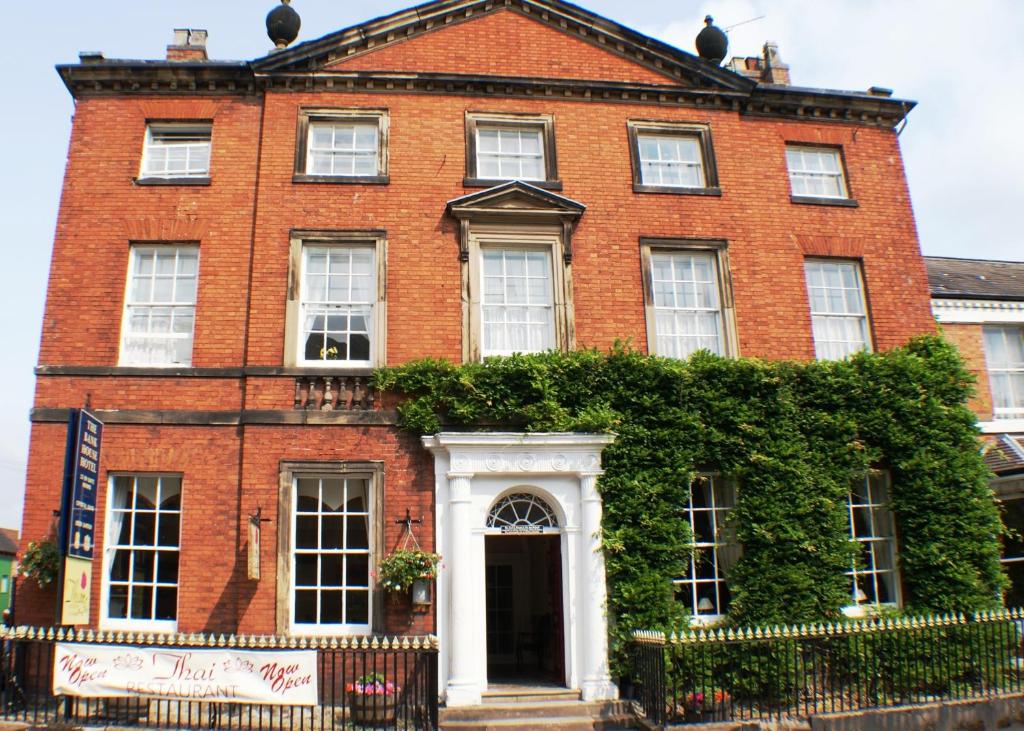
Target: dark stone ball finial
<point>712,43</point>
<point>283,24</point>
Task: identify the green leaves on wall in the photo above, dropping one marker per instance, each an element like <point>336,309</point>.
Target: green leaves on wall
<point>794,435</point>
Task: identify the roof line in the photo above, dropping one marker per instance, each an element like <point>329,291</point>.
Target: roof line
<point>965,258</point>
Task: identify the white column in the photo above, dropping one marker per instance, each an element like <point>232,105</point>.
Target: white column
<point>597,683</point>
<point>463,689</point>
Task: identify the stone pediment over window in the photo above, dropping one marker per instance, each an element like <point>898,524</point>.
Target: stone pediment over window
<point>448,38</point>
<point>516,203</point>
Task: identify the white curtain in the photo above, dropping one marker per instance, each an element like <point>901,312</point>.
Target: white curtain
<point>115,517</point>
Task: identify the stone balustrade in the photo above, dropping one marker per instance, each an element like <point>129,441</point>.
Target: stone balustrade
<point>335,393</point>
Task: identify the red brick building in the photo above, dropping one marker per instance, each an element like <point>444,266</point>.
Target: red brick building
<point>980,306</point>
<point>239,244</point>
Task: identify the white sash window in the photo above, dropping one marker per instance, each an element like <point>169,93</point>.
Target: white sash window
<point>160,305</point>
<point>1004,352</point>
<point>517,302</point>
<point>875,575</point>
<point>177,151</point>
<point>687,308</point>
<point>816,172</point>
<point>142,552</point>
<point>838,312</point>
<point>338,295</point>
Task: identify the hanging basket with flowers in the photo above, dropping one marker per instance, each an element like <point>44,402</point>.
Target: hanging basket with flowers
<point>402,567</point>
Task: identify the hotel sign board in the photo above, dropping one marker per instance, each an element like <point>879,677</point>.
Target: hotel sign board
<point>85,462</point>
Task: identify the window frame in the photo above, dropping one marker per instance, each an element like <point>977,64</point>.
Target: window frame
<point>545,123</point>
<point>549,324</point>
<point>719,250</point>
<point>134,247</point>
<point>312,116</point>
<point>294,346</point>
<point>155,626</point>
<point>869,339</point>
<point>846,200</point>
<point>144,178</point>
<point>721,540</point>
<point>290,471</point>
<point>698,130</point>
<point>516,238</point>
<point>862,609</point>
<point>1016,411</point>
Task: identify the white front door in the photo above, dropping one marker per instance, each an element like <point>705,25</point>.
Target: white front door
<point>475,473</point>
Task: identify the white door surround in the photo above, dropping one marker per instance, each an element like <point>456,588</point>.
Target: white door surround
<point>472,472</point>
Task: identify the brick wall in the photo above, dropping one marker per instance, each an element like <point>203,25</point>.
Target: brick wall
<point>969,339</point>
<point>503,43</point>
<point>252,204</point>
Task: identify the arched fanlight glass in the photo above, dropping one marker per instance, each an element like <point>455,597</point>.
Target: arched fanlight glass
<point>522,509</point>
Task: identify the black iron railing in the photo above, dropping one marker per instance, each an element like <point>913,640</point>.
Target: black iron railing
<point>406,664</point>
<point>796,672</point>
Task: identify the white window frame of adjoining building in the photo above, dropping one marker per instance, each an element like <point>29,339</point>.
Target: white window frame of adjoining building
<point>722,539</point>
<point>1009,313</point>
<point>291,472</point>
<point>830,170</point>
<point>111,547</point>
<point>882,538</point>
<point>195,139</point>
<point>716,254</point>
<point>302,242</point>
<point>185,307</point>
<point>823,319</point>
<point>1008,368</point>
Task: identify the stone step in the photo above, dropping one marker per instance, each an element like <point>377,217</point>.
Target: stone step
<point>526,694</point>
<point>567,723</point>
<point>548,709</point>
<point>524,715</point>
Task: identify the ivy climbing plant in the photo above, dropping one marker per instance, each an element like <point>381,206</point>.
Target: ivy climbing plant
<point>794,436</point>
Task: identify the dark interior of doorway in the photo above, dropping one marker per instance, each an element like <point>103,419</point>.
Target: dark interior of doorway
<point>525,639</point>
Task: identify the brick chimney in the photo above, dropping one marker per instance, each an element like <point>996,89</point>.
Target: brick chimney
<point>189,45</point>
<point>768,69</point>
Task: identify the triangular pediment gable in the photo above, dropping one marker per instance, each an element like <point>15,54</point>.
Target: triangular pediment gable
<point>516,197</point>
<point>631,57</point>
<point>516,203</point>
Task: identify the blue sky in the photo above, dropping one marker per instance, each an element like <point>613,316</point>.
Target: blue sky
<point>963,62</point>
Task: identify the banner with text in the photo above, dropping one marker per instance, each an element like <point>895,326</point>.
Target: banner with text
<point>283,678</point>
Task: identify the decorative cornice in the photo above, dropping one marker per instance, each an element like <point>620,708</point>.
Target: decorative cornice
<point>115,77</point>
<point>98,80</point>
<point>496,453</point>
<point>689,82</point>
<point>977,311</point>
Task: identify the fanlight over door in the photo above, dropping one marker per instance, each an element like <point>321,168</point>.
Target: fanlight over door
<point>522,513</point>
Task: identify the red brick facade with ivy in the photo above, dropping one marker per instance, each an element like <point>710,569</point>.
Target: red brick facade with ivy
<point>227,421</point>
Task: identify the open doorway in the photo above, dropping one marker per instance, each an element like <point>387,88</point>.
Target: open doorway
<point>525,640</point>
